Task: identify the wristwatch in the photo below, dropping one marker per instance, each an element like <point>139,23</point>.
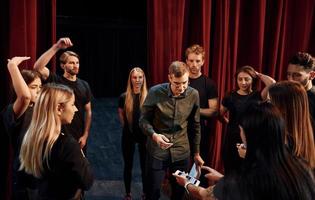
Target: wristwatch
<point>186,186</point>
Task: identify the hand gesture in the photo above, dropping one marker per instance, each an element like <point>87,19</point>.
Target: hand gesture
<point>17,60</point>
<point>162,141</point>
<point>213,175</point>
<point>181,179</point>
<point>64,43</point>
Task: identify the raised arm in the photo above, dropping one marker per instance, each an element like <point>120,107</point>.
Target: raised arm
<point>268,81</point>
<point>23,94</point>
<point>43,60</point>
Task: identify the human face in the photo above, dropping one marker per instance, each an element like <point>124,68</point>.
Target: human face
<point>244,82</point>
<point>299,74</point>
<point>72,65</point>
<point>35,87</point>
<point>194,62</point>
<point>178,84</point>
<point>68,110</point>
<point>136,81</point>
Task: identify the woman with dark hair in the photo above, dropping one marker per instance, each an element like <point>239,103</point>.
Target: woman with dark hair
<point>130,103</point>
<point>269,170</point>
<point>234,103</point>
<point>16,119</point>
<point>291,99</point>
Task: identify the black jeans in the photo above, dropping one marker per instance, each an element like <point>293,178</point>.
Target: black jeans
<point>155,173</point>
<point>128,145</point>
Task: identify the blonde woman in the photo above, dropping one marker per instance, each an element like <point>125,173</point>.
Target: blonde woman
<point>51,156</point>
<point>291,99</point>
<point>129,113</point>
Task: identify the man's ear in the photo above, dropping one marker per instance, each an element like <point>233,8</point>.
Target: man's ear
<point>312,75</point>
<point>169,78</point>
<point>62,66</point>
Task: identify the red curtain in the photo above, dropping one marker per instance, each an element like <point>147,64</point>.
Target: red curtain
<point>28,28</point>
<point>263,34</point>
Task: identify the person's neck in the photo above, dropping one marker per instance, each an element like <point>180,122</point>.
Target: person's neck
<point>308,85</point>
<point>243,92</point>
<point>136,90</point>
<point>70,77</point>
<point>194,76</point>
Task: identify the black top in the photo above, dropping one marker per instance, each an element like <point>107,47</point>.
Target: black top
<point>311,101</point>
<point>165,114</point>
<point>16,129</point>
<point>83,96</point>
<point>68,170</point>
<point>206,88</point>
<point>133,128</point>
<point>236,103</point>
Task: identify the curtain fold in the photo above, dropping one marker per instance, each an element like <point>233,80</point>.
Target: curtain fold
<point>263,34</point>
<point>29,27</point>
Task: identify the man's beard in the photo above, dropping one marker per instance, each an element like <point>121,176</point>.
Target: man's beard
<point>73,72</point>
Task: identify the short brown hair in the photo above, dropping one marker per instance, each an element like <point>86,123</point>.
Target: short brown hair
<point>303,59</point>
<point>196,49</point>
<point>64,56</point>
<point>177,68</point>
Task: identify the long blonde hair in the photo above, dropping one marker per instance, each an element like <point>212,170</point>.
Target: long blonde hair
<point>129,94</point>
<point>291,99</point>
<point>44,129</point>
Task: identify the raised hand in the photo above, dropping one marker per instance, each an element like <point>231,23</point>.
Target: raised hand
<point>17,60</point>
<point>64,43</point>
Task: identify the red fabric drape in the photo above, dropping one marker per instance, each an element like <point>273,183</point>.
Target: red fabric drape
<point>263,34</point>
<point>30,28</point>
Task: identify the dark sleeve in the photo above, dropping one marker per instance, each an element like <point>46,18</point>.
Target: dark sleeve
<point>121,101</point>
<point>147,114</point>
<point>196,124</point>
<point>88,94</point>
<point>52,78</point>
<point>9,121</point>
<point>77,163</point>
<point>226,101</point>
<point>212,91</point>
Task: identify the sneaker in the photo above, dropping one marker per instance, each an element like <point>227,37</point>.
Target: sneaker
<point>127,197</point>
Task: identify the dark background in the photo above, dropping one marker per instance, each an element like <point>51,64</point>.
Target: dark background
<point>110,40</point>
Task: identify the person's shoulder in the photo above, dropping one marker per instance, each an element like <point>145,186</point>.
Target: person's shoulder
<point>159,87</point>
<point>192,91</point>
<point>122,95</point>
<point>66,142</point>
<point>82,80</point>
<point>311,91</point>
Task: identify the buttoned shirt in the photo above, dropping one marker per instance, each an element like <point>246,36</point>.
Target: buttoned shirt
<point>162,113</point>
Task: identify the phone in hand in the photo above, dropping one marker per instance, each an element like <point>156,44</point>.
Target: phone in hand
<point>191,179</point>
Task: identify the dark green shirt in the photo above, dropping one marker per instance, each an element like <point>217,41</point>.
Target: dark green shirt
<point>165,114</point>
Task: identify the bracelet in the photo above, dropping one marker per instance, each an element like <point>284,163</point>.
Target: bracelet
<point>186,186</point>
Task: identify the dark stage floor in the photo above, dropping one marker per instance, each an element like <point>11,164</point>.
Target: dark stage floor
<point>104,154</point>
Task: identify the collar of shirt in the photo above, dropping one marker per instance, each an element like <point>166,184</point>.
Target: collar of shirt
<point>170,94</point>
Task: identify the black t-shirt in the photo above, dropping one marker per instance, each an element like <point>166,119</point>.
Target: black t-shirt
<point>236,103</point>
<point>206,88</point>
<point>311,101</point>
<point>134,127</point>
<point>16,130</point>
<point>83,96</point>
<point>68,170</point>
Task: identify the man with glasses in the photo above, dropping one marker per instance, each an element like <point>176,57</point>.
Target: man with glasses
<point>165,115</point>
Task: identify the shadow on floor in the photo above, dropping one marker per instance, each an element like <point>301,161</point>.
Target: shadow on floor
<point>104,154</point>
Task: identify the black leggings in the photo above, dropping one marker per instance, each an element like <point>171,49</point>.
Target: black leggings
<point>128,148</point>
